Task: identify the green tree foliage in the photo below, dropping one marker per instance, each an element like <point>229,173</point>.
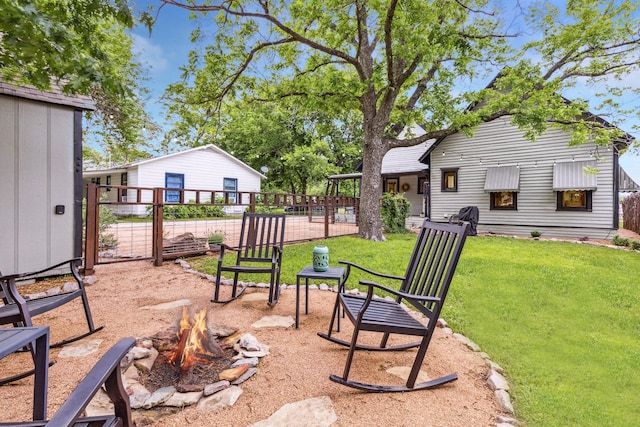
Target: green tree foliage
<point>81,47</point>
<point>394,209</point>
<point>401,62</point>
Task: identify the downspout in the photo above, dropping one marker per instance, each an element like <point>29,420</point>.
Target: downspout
<point>77,183</point>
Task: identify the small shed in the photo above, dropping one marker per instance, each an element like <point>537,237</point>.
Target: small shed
<point>40,177</point>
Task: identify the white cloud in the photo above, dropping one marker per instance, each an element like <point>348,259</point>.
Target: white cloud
<point>150,54</point>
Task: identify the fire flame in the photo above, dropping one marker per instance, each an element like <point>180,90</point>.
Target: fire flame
<point>194,343</point>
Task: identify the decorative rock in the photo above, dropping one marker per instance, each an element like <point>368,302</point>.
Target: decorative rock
<point>221,399</point>
<point>220,331</point>
<point>167,305</point>
<point>99,405</point>
<point>35,296</point>
<point>274,322</point>
<point>131,375</point>
<point>466,341</point>
<point>139,352</point>
<point>138,394</point>
<point>497,381</point>
<point>447,331</point>
<point>324,287</point>
<point>264,351</point>
<point>231,340</point>
<point>504,400</point>
<point>210,389</point>
<point>494,366</point>
<point>159,396</point>
<point>507,421</point>
<point>53,291</point>
<point>312,286</point>
<point>335,288</point>
<point>262,285</point>
<point>255,297</point>
<point>353,291</point>
<point>80,348</point>
<point>180,400</point>
<point>144,343</point>
<point>147,363</point>
<point>233,374</point>
<point>441,323</point>
<point>403,372</point>
<point>70,287</point>
<point>250,372</point>
<point>89,280</point>
<point>249,342</point>
<point>251,361</point>
<point>316,412</point>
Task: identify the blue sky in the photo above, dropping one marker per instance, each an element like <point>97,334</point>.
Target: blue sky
<point>167,48</point>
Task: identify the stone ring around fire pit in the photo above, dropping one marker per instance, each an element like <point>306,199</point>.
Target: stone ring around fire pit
<point>194,363</point>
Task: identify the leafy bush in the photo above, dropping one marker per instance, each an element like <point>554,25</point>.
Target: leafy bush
<point>635,245</point>
<point>189,211</point>
<point>536,234</point>
<point>394,211</point>
<point>620,241</point>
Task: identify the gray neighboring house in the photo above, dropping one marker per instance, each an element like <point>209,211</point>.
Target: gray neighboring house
<point>41,177</point>
<point>521,186</point>
<point>202,168</point>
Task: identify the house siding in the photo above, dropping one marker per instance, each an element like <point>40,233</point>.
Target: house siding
<point>500,142</point>
<point>36,174</point>
<point>202,169</point>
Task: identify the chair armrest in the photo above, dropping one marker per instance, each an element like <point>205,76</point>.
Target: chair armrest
<point>106,371</point>
<point>404,295</point>
<point>375,273</point>
<point>225,247</point>
<point>72,262</point>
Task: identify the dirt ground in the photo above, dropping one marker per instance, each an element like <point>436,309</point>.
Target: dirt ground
<point>297,368</point>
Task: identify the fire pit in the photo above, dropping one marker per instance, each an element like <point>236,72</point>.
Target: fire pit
<point>181,365</point>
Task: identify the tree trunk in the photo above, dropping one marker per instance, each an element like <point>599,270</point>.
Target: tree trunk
<point>371,190</point>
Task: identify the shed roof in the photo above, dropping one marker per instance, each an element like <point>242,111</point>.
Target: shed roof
<point>626,183</point>
<point>54,96</point>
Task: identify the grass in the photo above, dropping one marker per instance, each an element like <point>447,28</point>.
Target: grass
<point>562,319</point>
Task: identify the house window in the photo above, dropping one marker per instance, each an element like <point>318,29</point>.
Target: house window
<point>231,184</point>
<point>173,180</point>
<point>574,200</point>
<point>505,200</point>
<point>449,179</point>
<point>108,182</point>
<point>123,181</point>
<point>98,181</point>
<point>391,185</point>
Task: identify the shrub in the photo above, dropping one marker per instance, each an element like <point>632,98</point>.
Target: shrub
<point>635,245</point>
<point>394,211</point>
<point>620,241</point>
<point>536,234</point>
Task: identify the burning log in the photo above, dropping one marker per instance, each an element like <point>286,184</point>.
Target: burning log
<point>195,343</point>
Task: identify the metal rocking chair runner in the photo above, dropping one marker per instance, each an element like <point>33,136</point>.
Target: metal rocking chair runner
<point>424,287</point>
<point>259,251</point>
<point>19,312</point>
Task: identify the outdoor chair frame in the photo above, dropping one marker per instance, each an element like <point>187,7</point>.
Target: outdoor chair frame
<point>259,251</point>
<point>105,372</point>
<point>424,288</point>
<point>19,312</point>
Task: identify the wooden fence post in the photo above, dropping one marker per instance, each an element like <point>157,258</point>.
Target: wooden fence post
<point>156,244</point>
<point>91,227</point>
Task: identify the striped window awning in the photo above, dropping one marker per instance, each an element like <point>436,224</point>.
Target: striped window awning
<point>574,176</point>
<point>502,178</point>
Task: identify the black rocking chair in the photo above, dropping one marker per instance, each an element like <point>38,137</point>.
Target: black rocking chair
<point>19,312</point>
<point>259,251</point>
<point>424,287</point>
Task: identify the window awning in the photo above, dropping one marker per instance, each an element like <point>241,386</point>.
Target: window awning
<point>502,178</point>
<point>573,176</point>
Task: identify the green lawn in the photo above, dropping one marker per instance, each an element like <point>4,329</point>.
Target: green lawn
<point>562,319</point>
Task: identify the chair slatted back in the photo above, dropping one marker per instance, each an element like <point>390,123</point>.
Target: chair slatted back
<point>433,263</point>
<point>258,235</point>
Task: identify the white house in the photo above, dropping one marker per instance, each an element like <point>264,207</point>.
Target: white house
<point>521,186</point>
<point>40,177</point>
<point>202,168</point>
